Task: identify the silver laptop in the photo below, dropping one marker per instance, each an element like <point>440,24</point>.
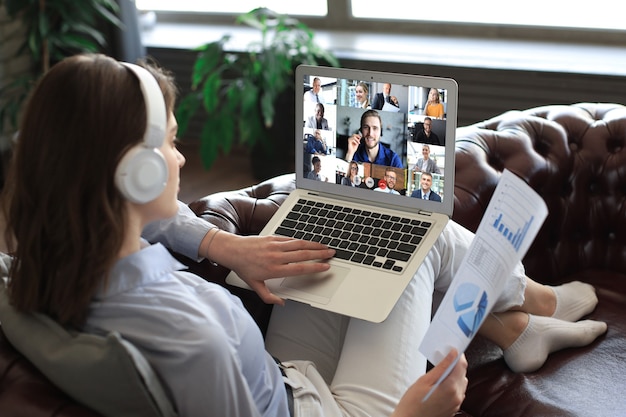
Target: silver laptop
<point>373,212</point>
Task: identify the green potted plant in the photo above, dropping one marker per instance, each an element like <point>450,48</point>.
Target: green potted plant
<point>248,98</point>
<point>49,31</point>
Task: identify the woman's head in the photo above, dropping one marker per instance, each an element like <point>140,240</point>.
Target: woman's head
<point>433,95</point>
<point>63,208</point>
<point>353,171</point>
<point>362,92</point>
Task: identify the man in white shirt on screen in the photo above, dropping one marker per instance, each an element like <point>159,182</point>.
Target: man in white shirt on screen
<point>389,183</point>
<point>314,94</point>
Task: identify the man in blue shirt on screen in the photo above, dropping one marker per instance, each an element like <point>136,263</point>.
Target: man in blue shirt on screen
<point>365,145</point>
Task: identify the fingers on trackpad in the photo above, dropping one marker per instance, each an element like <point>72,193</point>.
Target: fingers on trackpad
<point>320,286</point>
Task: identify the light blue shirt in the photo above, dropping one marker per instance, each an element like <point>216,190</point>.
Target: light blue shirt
<point>182,233</point>
<point>198,337</point>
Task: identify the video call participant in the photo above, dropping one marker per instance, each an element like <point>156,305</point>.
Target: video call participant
<point>361,96</point>
<point>316,144</point>
<point>426,134</point>
<point>434,106</point>
<point>313,94</point>
<point>317,121</point>
<point>389,183</point>
<point>317,168</point>
<point>425,164</point>
<point>352,178</point>
<point>365,145</point>
<point>385,97</point>
<point>424,192</point>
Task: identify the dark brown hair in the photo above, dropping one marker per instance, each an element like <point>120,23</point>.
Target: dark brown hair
<point>65,217</point>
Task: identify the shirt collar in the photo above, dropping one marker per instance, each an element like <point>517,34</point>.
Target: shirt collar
<point>150,263</point>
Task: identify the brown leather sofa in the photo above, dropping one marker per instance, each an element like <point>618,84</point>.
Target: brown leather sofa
<point>574,156</point>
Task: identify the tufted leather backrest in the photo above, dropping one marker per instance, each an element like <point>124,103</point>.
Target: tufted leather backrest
<point>575,158</point>
<point>246,211</point>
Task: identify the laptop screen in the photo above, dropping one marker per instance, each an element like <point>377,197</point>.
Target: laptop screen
<point>382,137</point>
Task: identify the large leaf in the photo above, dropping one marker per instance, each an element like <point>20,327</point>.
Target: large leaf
<point>69,41</point>
<point>225,134</point>
<point>251,129</point>
<point>186,109</point>
<point>210,57</point>
<point>107,10</point>
<point>90,32</point>
<point>208,146</point>
<point>211,92</point>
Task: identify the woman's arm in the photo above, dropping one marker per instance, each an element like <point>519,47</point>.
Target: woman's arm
<point>258,258</point>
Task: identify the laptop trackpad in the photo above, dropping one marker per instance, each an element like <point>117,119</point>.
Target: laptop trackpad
<point>319,287</point>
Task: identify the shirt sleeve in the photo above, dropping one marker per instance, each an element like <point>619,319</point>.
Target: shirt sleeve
<point>182,233</point>
<point>309,145</point>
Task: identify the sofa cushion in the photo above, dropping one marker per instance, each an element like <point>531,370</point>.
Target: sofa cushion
<point>107,373</point>
<point>574,157</point>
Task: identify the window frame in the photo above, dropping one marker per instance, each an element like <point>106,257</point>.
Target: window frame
<point>340,19</point>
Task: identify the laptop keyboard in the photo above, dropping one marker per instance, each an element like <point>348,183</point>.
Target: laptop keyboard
<point>359,236</point>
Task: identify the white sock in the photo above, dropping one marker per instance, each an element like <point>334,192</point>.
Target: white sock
<point>545,335</point>
<point>574,300</point>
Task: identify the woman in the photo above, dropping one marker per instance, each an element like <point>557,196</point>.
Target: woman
<point>79,258</point>
<point>361,93</point>
<point>352,179</point>
<point>434,107</point>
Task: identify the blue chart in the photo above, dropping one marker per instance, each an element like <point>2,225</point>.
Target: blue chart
<point>514,236</point>
<point>512,218</point>
<point>470,304</point>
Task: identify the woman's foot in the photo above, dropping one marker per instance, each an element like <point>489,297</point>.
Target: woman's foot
<point>574,300</point>
<point>544,335</point>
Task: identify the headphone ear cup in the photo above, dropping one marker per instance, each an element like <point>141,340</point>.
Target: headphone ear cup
<point>141,175</point>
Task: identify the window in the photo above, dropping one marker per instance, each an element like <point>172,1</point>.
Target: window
<point>553,13</point>
<point>308,8</point>
<point>541,13</point>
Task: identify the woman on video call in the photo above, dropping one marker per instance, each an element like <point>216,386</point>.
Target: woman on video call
<point>75,231</point>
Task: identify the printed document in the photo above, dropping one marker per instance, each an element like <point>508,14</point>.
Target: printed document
<point>511,222</point>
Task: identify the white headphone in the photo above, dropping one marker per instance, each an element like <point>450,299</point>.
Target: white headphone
<point>142,173</point>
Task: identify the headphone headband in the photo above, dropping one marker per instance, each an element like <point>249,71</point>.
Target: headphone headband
<point>155,106</point>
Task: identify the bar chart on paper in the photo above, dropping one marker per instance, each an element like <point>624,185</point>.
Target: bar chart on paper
<point>514,236</point>
<point>515,224</point>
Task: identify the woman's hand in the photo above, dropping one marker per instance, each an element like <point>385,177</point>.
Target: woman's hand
<point>258,258</point>
<point>445,400</point>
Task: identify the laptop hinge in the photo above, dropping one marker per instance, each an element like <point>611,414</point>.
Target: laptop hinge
<point>425,213</point>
